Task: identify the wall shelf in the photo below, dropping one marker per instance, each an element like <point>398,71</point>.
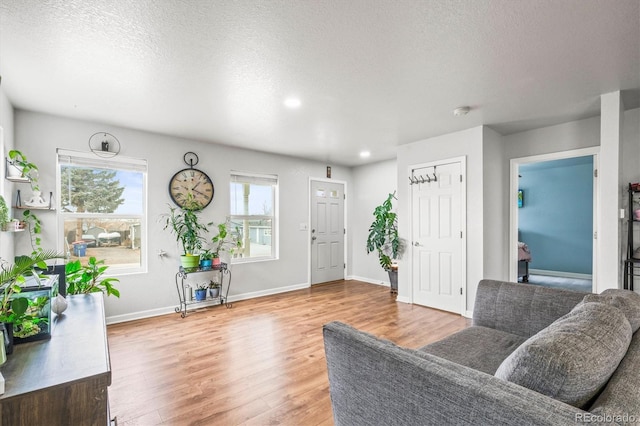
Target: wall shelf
<point>34,208</point>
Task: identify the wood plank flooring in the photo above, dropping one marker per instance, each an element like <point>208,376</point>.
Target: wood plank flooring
<point>259,363</point>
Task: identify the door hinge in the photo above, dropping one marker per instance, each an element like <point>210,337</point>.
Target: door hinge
<point>595,173</point>
<point>344,266</point>
<point>595,235</point>
<point>344,231</point>
<point>460,234</point>
<point>460,178</point>
<point>460,291</point>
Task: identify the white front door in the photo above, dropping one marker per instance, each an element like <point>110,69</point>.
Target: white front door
<point>327,231</point>
<point>437,236</point>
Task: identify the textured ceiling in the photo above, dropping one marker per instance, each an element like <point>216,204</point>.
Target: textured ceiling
<point>370,74</point>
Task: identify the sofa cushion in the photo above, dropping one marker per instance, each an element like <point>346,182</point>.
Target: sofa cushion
<point>621,397</point>
<point>572,359</point>
<point>480,348</point>
<point>626,300</point>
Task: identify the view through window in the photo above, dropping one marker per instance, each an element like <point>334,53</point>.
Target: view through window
<point>253,213</point>
<point>102,209</point>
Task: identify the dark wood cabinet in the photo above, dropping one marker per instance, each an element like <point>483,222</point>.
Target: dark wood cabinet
<point>64,380</point>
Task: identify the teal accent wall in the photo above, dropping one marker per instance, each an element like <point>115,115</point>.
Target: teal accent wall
<point>556,221</point>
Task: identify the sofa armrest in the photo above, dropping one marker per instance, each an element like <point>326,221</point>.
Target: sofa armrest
<point>521,309</point>
<point>373,381</point>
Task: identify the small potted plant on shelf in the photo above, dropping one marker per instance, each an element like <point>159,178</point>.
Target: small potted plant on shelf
<point>206,259</point>
<point>20,168</point>
<point>185,223</point>
<point>201,291</point>
<point>383,238</point>
<point>225,240</point>
<point>214,289</point>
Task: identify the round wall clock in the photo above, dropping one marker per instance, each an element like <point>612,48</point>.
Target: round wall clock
<point>191,188</point>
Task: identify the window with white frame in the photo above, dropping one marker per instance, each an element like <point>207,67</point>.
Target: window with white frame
<point>253,213</point>
<point>103,209</point>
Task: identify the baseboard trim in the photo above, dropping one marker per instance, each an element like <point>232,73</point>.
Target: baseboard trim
<point>560,274</point>
<point>369,280</point>
<point>115,319</point>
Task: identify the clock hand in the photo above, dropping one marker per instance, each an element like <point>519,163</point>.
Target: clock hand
<point>201,193</point>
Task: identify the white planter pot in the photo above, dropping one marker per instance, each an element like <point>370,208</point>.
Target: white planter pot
<point>13,171</point>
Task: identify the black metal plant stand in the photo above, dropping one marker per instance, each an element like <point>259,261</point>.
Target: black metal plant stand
<point>184,290</point>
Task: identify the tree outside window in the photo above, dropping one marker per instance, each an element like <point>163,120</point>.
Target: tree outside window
<point>102,210</point>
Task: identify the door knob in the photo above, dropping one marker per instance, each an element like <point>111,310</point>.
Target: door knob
<point>313,238</point>
<point>417,244</point>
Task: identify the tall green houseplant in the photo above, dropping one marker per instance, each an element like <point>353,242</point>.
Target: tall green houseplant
<point>383,238</point>
<point>185,224</point>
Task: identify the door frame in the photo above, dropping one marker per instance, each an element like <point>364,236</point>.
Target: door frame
<point>513,204</point>
<point>463,224</point>
<point>308,224</point>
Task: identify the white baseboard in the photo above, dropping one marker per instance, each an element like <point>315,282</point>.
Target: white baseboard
<point>560,274</point>
<point>403,299</point>
<point>115,319</point>
<point>468,314</point>
<point>369,280</point>
<point>172,309</point>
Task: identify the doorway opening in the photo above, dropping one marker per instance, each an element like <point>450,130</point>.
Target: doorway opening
<point>553,219</point>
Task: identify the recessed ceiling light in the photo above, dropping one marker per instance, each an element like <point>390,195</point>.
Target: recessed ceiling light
<point>365,154</point>
<point>292,103</point>
<point>463,110</point>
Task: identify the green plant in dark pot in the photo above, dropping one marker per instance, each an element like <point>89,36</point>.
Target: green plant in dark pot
<point>384,239</point>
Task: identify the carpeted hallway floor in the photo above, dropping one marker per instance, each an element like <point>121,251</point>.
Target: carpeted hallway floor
<point>574,284</point>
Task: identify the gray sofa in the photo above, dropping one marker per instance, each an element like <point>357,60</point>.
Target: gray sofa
<point>579,351</point>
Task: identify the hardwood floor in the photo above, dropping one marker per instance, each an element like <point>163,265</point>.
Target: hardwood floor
<point>259,363</point>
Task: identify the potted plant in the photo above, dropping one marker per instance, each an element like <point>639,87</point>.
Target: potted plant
<point>214,289</point>
<point>87,279</point>
<point>206,259</point>
<point>185,223</point>
<point>201,291</point>
<point>20,167</point>
<point>225,240</point>
<point>21,314</point>
<point>383,238</point>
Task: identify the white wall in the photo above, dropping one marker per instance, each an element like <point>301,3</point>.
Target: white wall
<point>496,206</point>
<point>562,137</point>
<point>630,172</point>
<point>38,136</point>
<point>372,184</point>
<point>6,144</point>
